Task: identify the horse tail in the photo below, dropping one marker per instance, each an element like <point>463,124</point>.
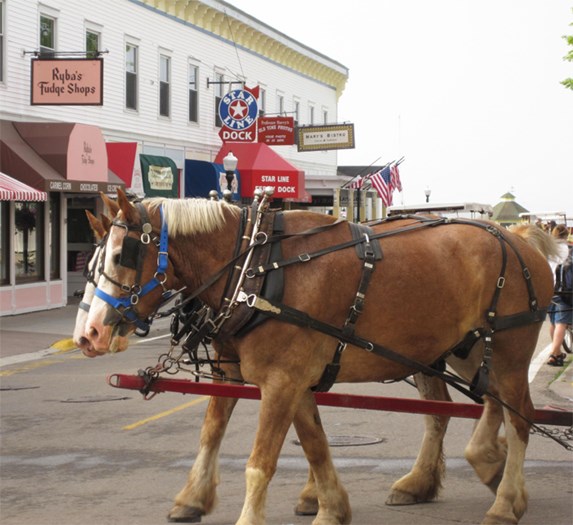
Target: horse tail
<point>536,237</point>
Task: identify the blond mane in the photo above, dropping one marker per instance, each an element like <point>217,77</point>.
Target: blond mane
<point>188,216</point>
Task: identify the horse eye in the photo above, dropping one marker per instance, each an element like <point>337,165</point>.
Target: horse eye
<point>116,259</point>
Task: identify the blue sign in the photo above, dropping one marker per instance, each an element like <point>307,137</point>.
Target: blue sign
<point>238,109</point>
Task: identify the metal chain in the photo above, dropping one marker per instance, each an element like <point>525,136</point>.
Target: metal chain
<point>561,436</point>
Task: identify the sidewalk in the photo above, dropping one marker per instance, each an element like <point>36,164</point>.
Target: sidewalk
<point>50,331</point>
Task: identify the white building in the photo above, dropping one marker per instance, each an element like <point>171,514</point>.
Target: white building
<point>166,65</point>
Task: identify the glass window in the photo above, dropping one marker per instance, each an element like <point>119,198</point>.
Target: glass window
<point>311,115</point>
<point>54,236</point>
<point>262,102</point>
<point>29,241</point>
<point>2,40</point>
<point>131,67</point>
<point>164,85</point>
<point>47,34</point>
<point>193,93</point>
<point>4,242</point>
<point>92,43</point>
<point>280,104</point>
<point>325,116</point>
<point>219,92</point>
<point>296,112</point>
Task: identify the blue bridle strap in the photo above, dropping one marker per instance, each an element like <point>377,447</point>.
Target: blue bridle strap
<point>124,305</point>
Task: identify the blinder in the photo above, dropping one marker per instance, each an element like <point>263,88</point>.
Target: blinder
<point>132,252</point>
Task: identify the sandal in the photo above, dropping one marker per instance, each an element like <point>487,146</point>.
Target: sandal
<point>556,360</point>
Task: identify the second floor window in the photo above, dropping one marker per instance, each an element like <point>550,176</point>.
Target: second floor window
<point>296,112</point>
<point>280,104</point>
<point>131,76</point>
<point>1,41</point>
<point>311,115</point>
<point>262,102</point>
<point>219,91</point>
<point>193,93</point>
<point>47,35</point>
<point>92,43</point>
<point>164,85</point>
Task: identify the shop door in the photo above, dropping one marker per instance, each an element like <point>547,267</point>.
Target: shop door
<point>80,240</point>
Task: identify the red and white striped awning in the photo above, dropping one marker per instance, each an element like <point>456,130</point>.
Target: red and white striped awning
<point>14,190</point>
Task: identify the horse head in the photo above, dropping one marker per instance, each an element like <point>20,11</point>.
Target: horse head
<point>133,278</point>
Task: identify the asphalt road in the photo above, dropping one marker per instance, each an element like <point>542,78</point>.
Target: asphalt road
<point>75,451</point>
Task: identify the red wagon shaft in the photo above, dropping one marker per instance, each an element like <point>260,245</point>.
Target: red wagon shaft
<point>390,404</point>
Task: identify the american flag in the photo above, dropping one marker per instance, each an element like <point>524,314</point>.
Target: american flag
<point>395,178</point>
<point>383,185</point>
<point>357,182</point>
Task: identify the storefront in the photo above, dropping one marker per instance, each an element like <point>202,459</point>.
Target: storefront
<point>45,244</point>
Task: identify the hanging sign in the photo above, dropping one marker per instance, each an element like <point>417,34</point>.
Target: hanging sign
<point>67,81</point>
<point>276,131</point>
<point>336,136</point>
<point>238,111</point>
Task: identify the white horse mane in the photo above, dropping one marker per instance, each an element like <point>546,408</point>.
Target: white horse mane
<point>187,216</point>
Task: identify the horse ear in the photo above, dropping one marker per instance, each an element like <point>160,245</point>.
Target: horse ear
<point>128,209</point>
<point>110,204</point>
<point>96,225</point>
<point>106,222</point>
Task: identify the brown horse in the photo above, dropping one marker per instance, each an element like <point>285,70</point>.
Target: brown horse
<point>436,283</point>
<point>198,497</point>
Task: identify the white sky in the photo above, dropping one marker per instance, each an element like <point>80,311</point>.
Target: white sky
<point>467,91</point>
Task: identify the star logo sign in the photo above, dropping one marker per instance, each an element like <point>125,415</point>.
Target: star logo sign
<point>238,109</point>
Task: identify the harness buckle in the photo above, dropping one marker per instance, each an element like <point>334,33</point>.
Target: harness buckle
<point>134,299</point>
<point>304,257</point>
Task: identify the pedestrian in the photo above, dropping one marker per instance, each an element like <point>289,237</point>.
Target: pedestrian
<point>560,309</point>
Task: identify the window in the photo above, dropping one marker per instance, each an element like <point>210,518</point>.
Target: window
<point>5,249</point>
<point>296,111</point>
<point>262,102</point>
<point>280,103</point>
<point>164,85</point>
<point>92,43</point>
<point>219,92</point>
<point>1,45</point>
<point>54,235</point>
<point>193,87</point>
<point>325,116</point>
<point>311,115</point>
<point>131,67</point>
<point>47,35</point>
<point>29,241</point>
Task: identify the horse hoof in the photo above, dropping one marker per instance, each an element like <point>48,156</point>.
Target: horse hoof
<point>306,507</point>
<point>398,497</point>
<point>491,519</point>
<point>183,514</point>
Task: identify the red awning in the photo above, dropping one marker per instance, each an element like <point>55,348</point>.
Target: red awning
<point>14,190</point>
<point>260,166</point>
<point>121,159</point>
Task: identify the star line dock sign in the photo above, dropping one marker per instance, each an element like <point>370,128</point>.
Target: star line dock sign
<point>238,111</point>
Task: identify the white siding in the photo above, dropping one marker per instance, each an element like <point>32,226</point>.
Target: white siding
<point>126,19</point>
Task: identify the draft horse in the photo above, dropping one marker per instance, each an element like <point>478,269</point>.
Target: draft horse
<point>345,315</point>
<point>198,496</point>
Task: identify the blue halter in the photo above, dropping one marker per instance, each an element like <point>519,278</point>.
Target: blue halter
<point>125,305</point>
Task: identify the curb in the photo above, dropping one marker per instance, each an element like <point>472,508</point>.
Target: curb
<point>64,345</point>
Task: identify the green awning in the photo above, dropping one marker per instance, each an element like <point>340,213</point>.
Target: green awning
<point>160,176</point>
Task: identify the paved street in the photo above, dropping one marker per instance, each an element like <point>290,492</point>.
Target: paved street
<point>75,451</point>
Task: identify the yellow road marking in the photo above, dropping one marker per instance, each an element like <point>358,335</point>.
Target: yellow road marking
<point>27,368</point>
<point>166,413</point>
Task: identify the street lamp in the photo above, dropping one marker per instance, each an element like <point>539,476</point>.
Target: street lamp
<point>427,193</point>
<point>230,165</point>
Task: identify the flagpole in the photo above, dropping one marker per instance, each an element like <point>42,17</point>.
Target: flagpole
<point>360,173</point>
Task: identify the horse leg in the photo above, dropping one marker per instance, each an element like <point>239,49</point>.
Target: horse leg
<point>323,482</point>
<point>277,412</point>
<point>424,481</point>
<point>307,504</point>
<point>486,451</point>
<point>198,496</point>
<point>511,497</point>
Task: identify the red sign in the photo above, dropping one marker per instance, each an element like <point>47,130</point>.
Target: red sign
<point>235,135</point>
<point>276,131</point>
<point>67,81</point>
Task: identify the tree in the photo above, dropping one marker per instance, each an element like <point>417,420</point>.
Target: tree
<point>568,82</point>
